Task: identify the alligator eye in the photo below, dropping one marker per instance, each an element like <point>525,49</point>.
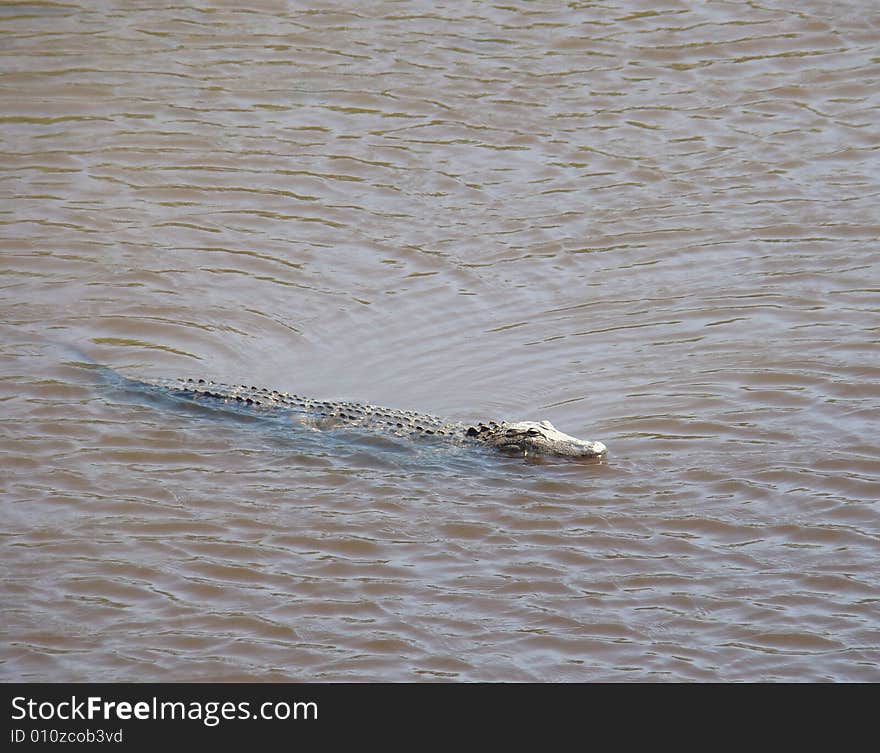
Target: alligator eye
<point>533,433</point>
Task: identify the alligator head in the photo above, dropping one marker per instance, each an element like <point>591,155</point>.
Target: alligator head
<point>535,438</point>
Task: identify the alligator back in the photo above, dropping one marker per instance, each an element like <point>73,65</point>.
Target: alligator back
<point>309,411</point>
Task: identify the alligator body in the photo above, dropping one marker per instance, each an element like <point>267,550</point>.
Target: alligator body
<point>520,437</point>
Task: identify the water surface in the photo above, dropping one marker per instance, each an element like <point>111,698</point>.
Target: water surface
<point>653,224</point>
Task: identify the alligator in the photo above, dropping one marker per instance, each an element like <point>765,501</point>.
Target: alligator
<point>514,437</point>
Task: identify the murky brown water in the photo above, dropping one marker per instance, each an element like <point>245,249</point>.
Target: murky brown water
<point>653,223</point>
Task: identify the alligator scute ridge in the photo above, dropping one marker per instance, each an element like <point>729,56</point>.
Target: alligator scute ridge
<point>516,437</point>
